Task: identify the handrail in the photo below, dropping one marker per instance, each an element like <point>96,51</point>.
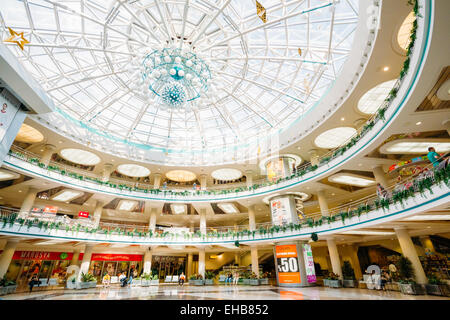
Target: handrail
<point>435,176</point>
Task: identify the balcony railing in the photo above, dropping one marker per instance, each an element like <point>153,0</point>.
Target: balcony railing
<point>396,194</point>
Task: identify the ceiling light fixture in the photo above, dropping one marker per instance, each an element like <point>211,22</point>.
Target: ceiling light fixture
<point>127,205</point>
<point>418,123</point>
<point>228,207</point>
<point>66,195</point>
<point>386,69</point>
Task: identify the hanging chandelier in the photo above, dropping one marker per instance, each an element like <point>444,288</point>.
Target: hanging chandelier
<point>172,78</point>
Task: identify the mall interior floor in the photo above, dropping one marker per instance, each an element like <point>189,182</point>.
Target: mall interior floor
<point>187,292</point>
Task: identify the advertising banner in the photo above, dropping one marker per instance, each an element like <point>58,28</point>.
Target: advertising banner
<point>42,255</point>
<point>115,257</point>
<point>280,210</point>
<point>309,263</point>
<point>287,264</point>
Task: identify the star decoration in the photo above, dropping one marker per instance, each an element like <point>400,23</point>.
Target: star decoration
<point>17,38</point>
<point>261,12</point>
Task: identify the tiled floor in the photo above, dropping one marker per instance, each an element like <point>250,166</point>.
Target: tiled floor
<point>168,292</point>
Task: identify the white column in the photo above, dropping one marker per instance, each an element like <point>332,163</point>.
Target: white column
<point>107,170</point>
<point>47,155</point>
<point>334,257</point>
<point>410,252</point>
<point>203,221</point>
<point>255,264</point>
<point>380,176</point>
<point>152,221</point>
<point>249,178</point>
<point>157,181</point>
<point>97,213</point>
<point>28,202</point>
<point>189,266</point>
<point>251,217</point>
<point>203,182</point>
<point>201,262</point>
<point>148,261</point>
<point>6,256</point>
<point>86,260</point>
<point>323,204</point>
<point>313,157</point>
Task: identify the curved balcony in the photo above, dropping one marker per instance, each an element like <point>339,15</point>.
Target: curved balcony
<point>422,192</point>
<point>29,164</point>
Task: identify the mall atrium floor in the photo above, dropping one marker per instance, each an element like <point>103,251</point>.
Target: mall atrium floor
<point>252,150</point>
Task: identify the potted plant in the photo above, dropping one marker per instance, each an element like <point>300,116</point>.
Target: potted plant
<point>436,287</point>
<point>264,278</point>
<point>407,284</point>
<point>87,281</point>
<point>196,280</point>
<point>348,274</point>
<point>7,286</point>
<point>254,281</point>
<point>209,278</point>
<point>334,281</point>
<point>155,280</point>
<point>146,279</point>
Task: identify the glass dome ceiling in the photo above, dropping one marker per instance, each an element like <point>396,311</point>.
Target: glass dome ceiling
<point>89,57</point>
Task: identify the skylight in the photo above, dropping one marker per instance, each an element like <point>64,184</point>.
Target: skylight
<point>264,76</point>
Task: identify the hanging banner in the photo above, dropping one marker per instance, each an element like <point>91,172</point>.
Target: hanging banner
<point>280,210</point>
<point>287,264</point>
<point>42,255</point>
<point>309,263</point>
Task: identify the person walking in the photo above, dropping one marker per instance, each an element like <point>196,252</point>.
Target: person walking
<point>181,279</point>
<point>106,280</point>
<point>236,278</point>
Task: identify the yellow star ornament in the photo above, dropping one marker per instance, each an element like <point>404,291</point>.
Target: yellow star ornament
<point>17,38</point>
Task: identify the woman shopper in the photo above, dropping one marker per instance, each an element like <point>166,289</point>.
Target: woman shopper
<point>33,281</point>
<point>236,278</point>
<point>229,278</point>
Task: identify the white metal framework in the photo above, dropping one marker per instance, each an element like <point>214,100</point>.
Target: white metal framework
<point>82,51</point>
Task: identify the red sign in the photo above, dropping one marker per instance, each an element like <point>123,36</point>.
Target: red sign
<point>115,257</point>
<point>42,255</point>
<point>51,209</point>
<point>83,214</point>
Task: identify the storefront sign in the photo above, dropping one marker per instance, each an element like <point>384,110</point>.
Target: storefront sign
<point>287,264</point>
<point>116,257</point>
<point>42,255</point>
<point>83,214</point>
<point>51,209</point>
<point>309,263</point>
<point>280,210</point>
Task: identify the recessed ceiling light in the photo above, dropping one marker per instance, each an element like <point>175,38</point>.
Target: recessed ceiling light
<point>415,146</point>
<point>133,170</point>
<point>418,123</point>
<point>80,156</point>
<point>228,207</point>
<point>28,134</point>
<point>429,217</point>
<point>352,179</point>
<point>20,190</point>
<point>42,150</point>
<point>298,148</point>
<point>369,233</point>
<point>428,227</point>
<point>334,138</point>
<point>333,194</point>
<point>60,141</point>
<point>370,102</point>
<point>179,208</point>
<point>342,119</point>
<point>226,174</point>
<point>359,164</point>
<point>386,69</point>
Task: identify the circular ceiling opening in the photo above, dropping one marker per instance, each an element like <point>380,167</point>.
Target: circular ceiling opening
<point>226,174</point>
<point>28,134</point>
<point>334,138</point>
<point>133,170</point>
<point>80,156</point>
<point>371,101</point>
<point>181,175</point>
<point>193,81</point>
<point>405,31</point>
